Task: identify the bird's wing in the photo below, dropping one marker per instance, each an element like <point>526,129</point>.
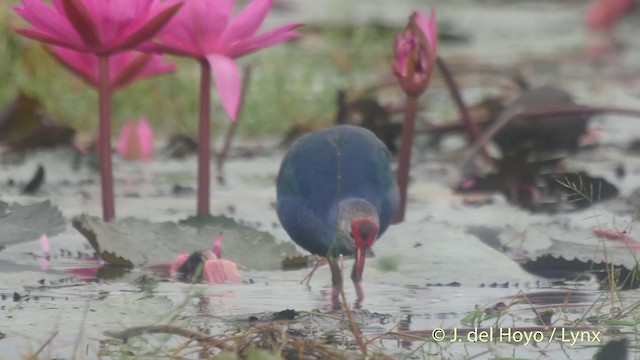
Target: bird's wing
<point>303,225</point>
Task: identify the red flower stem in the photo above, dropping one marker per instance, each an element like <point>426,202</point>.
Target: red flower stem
<point>404,158</point>
<point>222,156</point>
<point>472,128</point>
<point>104,140</point>
<point>204,139</point>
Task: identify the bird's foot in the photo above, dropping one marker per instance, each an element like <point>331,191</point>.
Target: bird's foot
<point>359,294</point>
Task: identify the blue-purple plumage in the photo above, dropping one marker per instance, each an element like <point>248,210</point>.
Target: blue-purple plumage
<point>330,174</point>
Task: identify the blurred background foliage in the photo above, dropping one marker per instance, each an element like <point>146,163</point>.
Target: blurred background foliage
<point>292,83</point>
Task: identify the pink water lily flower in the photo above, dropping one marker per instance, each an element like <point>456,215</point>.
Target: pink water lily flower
<point>415,57</point>
<point>205,30</point>
<point>136,140</point>
<point>95,26</point>
<point>125,67</point>
<point>416,49</point>
<point>206,265</point>
<point>103,28</point>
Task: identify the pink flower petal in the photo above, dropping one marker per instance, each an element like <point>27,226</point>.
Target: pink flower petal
<point>44,244</point>
<point>124,142</point>
<point>429,28</point>
<point>84,273</point>
<point>221,272</point>
<point>136,140</point>
<point>603,14</point>
<point>44,263</point>
<point>46,38</point>
<point>177,263</point>
<point>216,248</point>
<point>148,29</point>
<point>124,68</point>
<point>196,28</point>
<point>227,79</point>
<point>82,21</point>
<point>264,40</point>
<point>157,66</point>
<point>201,28</point>
<point>145,136</point>
<point>49,25</point>
<point>96,26</point>
<point>247,22</point>
<point>129,66</point>
<point>83,65</point>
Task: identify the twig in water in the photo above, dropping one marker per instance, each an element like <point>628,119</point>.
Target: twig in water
<point>347,312</point>
<point>454,91</point>
<point>85,311</point>
<point>45,344</point>
<point>200,337</point>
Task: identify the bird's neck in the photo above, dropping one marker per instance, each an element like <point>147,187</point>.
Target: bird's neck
<point>349,209</point>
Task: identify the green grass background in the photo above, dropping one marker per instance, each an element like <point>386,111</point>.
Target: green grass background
<point>292,83</point>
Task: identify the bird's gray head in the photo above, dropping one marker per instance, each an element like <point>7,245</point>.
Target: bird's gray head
<point>358,225</point>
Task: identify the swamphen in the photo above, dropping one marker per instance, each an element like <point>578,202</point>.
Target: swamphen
<point>336,195</point>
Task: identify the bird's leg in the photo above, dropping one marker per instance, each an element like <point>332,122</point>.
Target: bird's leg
<point>357,283</point>
<point>336,281</point>
<point>307,278</point>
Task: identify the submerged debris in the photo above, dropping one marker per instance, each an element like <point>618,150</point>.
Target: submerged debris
<point>36,181</point>
<point>274,337</point>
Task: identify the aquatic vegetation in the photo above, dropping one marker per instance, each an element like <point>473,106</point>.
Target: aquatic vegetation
<point>205,31</point>
<point>415,56</point>
<point>136,140</point>
<point>99,28</point>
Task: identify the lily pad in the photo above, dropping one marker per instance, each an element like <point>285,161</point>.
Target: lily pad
<point>20,223</point>
<point>564,237</point>
<point>140,242</point>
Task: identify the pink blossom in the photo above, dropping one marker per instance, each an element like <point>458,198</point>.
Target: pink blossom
<point>136,140</point>
<point>102,28</point>
<point>603,14</point>
<point>215,270</point>
<point>205,30</point>
<point>415,53</point>
<point>630,242</point>
<point>95,26</point>
<point>220,271</point>
<point>124,68</point>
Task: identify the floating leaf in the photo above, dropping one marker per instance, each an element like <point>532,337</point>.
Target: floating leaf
<point>20,223</point>
<point>140,242</point>
<point>36,181</point>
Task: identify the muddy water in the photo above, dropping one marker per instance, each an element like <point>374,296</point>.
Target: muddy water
<point>81,312</point>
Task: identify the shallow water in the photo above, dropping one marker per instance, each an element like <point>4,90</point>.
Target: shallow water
<point>432,247</point>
